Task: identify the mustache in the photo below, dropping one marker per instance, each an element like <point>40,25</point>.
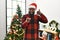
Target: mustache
<point>32,12</point>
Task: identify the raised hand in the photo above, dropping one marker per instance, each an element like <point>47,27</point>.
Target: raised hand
<point>39,12</point>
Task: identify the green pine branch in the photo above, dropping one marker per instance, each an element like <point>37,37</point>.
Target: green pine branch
<point>19,11</point>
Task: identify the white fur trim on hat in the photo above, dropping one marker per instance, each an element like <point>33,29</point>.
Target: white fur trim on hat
<point>31,6</point>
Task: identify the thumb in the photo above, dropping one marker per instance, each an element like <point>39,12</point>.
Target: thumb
<point>39,10</point>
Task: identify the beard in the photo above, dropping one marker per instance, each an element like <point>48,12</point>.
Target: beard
<point>32,17</point>
<point>31,13</point>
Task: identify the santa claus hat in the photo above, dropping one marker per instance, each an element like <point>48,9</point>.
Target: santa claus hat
<point>33,5</point>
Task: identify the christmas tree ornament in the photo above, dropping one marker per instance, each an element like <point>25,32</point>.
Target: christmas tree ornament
<point>17,25</point>
<point>10,38</point>
<point>17,19</point>
<point>16,30</point>
<point>13,26</point>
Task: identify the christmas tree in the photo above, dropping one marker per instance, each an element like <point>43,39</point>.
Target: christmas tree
<point>16,32</point>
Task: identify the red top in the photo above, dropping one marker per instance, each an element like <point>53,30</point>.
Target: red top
<point>31,30</point>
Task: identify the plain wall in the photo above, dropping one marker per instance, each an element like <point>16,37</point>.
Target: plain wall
<point>2,19</point>
<point>50,8</point>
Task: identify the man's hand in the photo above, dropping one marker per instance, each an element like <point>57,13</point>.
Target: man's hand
<point>39,12</point>
<point>27,19</point>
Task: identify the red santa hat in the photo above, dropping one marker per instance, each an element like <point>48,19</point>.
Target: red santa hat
<point>33,5</point>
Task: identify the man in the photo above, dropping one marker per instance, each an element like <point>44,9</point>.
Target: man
<point>30,22</point>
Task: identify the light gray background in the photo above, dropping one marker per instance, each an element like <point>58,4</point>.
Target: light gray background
<point>2,19</point>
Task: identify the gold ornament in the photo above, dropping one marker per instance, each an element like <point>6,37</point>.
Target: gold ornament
<point>17,25</point>
<point>13,26</point>
<point>16,30</point>
<point>10,38</point>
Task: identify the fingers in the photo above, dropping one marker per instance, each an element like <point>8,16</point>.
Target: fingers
<point>39,10</point>
<point>28,19</point>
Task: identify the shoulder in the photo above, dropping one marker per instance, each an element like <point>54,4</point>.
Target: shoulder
<point>25,15</point>
<point>35,15</point>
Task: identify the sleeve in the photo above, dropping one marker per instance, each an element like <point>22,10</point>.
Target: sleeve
<point>24,24</point>
<point>42,18</point>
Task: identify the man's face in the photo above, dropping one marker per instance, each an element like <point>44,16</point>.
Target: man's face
<point>31,10</point>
